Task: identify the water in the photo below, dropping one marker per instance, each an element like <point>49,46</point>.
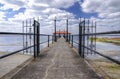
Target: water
<point>107,49</point>
<point>10,43</point>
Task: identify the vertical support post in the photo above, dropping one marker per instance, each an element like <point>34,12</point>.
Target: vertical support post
<point>23,36</point>
<point>55,39</point>
<point>48,39</point>
<point>72,40</point>
<point>80,38</point>
<point>88,37</point>
<point>95,35</point>
<point>30,36</point>
<point>67,30</point>
<point>59,33</point>
<point>36,38</point>
<point>26,38</point>
<point>69,38</point>
<point>83,52</point>
<point>92,38</point>
<point>34,28</point>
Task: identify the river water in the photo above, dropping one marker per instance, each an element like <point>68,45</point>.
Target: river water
<point>107,49</point>
<point>12,43</point>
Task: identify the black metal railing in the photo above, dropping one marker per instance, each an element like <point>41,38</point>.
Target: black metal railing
<point>25,49</point>
<point>86,43</point>
<point>31,39</point>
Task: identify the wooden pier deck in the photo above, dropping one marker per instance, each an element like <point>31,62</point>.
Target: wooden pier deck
<point>57,62</point>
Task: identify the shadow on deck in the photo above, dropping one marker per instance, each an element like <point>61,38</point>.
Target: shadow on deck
<point>57,62</point>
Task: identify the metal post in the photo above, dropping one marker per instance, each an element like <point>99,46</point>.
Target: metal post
<point>88,37</point>
<point>67,30</point>
<point>72,40</point>
<point>48,39</point>
<point>80,39</point>
<point>38,36</point>
<point>92,38</point>
<point>55,39</point>
<point>95,35</point>
<point>23,36</point>
<point>26,38</point>
<point>83,52</point>
<point>38,39</point>
<point>69,38</point>
<point>34,39</point>
<point>30,36</point>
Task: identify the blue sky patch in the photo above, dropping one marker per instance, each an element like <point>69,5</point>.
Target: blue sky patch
<point>77,10</point>
<point>10,13</point>
<point>1,5</point>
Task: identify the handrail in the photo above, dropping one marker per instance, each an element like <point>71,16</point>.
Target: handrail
<point>14,33</point>
<point>15,52</point>
<point>11,33</point>
<point>114,60</point>
<point>20,50</point>
<point>100,33</point>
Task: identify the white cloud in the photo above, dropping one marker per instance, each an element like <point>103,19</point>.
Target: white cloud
<point>102,7</point>
<point>2,15</point>
<point>46,10</point>
<point>13,4</point>
<point>107,10</point>
<point>58,3</point>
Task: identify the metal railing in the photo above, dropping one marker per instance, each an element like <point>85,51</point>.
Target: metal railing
<point>25,49</point>
<point>31,39</point>
<point>86,42</point>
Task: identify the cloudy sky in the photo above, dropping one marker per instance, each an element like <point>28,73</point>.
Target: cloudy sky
<point>105,12</point>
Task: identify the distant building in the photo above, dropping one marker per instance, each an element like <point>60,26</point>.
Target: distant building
<point>61,33</point>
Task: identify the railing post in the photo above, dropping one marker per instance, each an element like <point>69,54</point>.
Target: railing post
<point>48,39</point>
<point>55,39</point>
<point>83,52</point>
<point>36,38</point>
<point>69,38</point>
<point>34,28</point>
<point>72,40</point>
<point>80,39</point>
<point>95,36</point>
<point>26,37</point>
<point>23,36</point>
<point>67,30</point>
<point>30,38</point>
<point>88,37</point>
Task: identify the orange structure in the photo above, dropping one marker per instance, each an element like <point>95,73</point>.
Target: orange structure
<point>61,32</point>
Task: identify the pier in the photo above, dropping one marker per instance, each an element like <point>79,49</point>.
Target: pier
<point>61,59</point>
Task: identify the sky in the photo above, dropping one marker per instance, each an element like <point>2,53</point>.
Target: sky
<point>105,12</point>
